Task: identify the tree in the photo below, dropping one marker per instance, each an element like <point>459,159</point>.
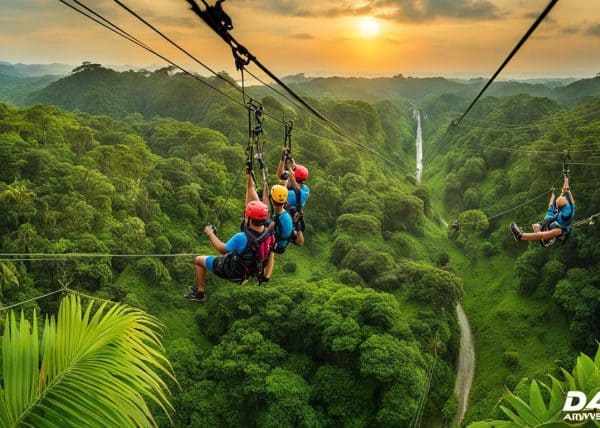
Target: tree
<point>439,288</point>
<point>21,197</point>
<point>86,66</point>
<point>88,367</point>
<point>403,212</point>
<point>9,277</point>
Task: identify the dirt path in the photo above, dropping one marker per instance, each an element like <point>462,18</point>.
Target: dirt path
<point>466,364</point>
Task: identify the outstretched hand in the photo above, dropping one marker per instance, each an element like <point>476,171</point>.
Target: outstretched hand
<point>209,230</point>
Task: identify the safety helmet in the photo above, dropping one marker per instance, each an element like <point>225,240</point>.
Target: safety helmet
<point>279,194</point>
<point>256,210</point>
<point>301,172</point>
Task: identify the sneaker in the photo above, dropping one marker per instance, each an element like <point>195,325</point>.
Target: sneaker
<point>517,234</point>
<point>195,295</point>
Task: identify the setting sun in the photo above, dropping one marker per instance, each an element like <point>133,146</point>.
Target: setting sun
<point>369,27</point>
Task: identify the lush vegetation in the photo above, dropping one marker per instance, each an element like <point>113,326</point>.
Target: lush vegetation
<point>351,325</point>
<point>325,345</point>
<point>537,404</point>
<point>540,305</point>
<point>83,361</point>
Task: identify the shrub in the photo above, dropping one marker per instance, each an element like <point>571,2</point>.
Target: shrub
<point>488,249</point>
<point>340,248</point>
<point>511,359</point>
<point>152,270</point>
<point>403,212</point>
<point>349,277</point>
<point>440,258</point>
<point>358,224</point>
<point>387,281</point>
<point>289,267</point>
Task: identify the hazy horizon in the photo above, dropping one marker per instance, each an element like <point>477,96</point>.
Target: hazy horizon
<point>367,38</point>
<point>202,72</point>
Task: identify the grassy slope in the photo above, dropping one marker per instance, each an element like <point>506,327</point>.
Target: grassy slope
<point>501,320</point>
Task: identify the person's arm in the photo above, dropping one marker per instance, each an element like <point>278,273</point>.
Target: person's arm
<point>216,242</point>
<point>266,196</point>
<point>566,190</point>
<point>251,194</point>
<point>293,182</point>
<point>281,166</point>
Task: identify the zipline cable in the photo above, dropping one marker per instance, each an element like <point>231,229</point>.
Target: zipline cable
<point>119,31</point>
<point>5,308</point>
<point>243,57</point>
<point>172,42</point>
<point>65,256</point>
<point>518,46</point>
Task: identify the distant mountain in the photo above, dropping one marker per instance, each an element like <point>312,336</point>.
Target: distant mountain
<point>105,91</point>
<point>98,90</point>
<point>34,70</point>
<point>574,92</point>
<point>15,88</point>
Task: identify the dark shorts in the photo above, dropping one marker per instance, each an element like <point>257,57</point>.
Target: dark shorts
<point>229,267</point>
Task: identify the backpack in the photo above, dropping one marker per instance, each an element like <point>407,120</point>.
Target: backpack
<point>255,255</point>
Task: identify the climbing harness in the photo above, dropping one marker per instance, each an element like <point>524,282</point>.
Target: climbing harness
<point>254,149</point>
<point>545,225</point>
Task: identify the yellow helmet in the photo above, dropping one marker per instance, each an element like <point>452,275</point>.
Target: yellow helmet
<point>279,194</point>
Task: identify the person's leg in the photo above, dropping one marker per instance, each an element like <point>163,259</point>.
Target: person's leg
<point>201,273</point>
<point>251,194</point>
<point>538,236</point>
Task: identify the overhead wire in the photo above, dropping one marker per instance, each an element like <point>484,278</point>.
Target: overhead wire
<point>542,122</point>
<point>119,31</point>
<point>5,308</point>
<point>528,33</point>
<point>238,50</point>
<point>586,115</point>
<point>518,46</point>
<point>175,44</point>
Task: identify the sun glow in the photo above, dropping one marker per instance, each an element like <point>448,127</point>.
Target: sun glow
<point>369,27</point>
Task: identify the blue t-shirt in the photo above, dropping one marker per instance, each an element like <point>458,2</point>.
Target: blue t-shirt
<point>283,229</point>
<point>304,192</point>
<point>565,215</point>
<point>237,243</point>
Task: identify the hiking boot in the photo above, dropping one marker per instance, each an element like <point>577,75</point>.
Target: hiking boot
<point>195,295</point>
<point>517,234</point>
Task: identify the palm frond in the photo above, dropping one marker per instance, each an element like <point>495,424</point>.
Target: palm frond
<point>102,366</point>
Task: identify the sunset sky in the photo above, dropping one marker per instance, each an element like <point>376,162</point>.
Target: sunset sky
<point>347,38</point>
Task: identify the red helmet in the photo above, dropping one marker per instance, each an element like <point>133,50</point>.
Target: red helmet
<point>301,172</point>
<point>256,210</point>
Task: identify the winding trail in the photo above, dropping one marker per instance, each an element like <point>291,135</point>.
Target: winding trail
<point>466,364</point>
<point>466,356</point>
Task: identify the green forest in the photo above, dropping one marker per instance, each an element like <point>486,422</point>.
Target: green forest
<point>359,326</point>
